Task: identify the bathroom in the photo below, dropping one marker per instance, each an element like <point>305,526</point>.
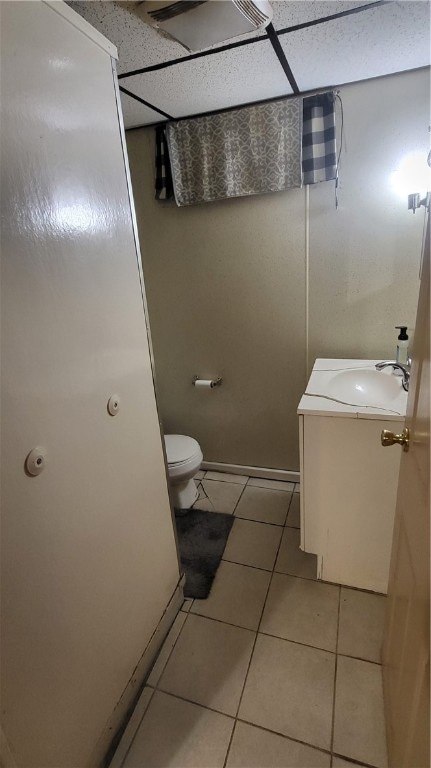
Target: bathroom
<point>250,290</point>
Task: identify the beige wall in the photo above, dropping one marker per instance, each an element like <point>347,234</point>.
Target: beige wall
<point>226,281</point>
<point>364,257</point>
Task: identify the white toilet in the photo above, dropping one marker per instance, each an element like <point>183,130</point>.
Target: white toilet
<point>184,457</point>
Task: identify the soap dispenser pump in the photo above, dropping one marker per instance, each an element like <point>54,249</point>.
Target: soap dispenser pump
<point>402,345</point>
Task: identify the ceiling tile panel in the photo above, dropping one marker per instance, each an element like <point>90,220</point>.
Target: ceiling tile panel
<point>288,13</point>
<point>139,45</point>
<point>378,41</point>
<point>238,76</point>
<point>135,113</point>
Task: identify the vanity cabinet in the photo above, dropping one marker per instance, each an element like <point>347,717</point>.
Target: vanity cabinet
<point>348,485</point>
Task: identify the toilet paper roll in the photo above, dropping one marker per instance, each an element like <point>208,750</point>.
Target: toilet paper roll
<point>204,383</point>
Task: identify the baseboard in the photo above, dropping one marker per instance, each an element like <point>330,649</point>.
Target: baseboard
<point>123,723</point>
<point>239,469</point>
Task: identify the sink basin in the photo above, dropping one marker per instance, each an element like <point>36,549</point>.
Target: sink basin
<point>364,386</point>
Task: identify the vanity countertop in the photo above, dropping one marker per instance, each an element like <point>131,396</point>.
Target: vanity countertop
<point>353,389</point>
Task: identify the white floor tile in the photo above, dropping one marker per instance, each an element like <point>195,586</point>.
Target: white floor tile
<point>226,477</point>
<point>254,544</point>
<point>359,726</point>
<point>218,496</point>
<point>289,689</point>
<point>277,485</point>
<point>209,663</point>
<point>255,748</point>
<point>237,595</point>
<point>362,618</point>
<point>292,560</point>
<point>177,734</point>
<point>293,519</point>
<point>302,610</point>
<point>338,762</point>
<point>264,505</point>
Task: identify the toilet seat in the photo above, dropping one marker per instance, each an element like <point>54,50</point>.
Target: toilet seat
<point>181,449</point>
<point>184,457</point>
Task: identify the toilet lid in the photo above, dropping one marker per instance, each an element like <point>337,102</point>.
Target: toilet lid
<point>180,448</point>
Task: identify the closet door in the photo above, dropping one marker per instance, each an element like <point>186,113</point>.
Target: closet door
<point>88,552</point>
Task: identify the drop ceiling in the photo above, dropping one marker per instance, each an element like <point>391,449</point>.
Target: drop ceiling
<point>323,43</point>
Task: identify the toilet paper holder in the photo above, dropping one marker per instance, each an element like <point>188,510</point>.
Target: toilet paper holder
<point>208,383</point>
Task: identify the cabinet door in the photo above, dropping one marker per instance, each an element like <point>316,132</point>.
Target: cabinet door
<point>88,552</point>
<point>350,485</point>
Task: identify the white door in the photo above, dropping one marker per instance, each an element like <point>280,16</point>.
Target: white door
<point>406,651</point>
<point>88,552</point>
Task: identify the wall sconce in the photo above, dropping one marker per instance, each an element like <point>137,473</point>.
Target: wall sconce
<point>413,172</point>
<point>414,201</point>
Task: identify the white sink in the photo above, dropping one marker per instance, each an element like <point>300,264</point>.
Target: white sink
<point>346,387</point>
<point>364,386</point>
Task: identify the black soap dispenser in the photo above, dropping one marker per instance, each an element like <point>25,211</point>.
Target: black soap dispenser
<point>403,345</point>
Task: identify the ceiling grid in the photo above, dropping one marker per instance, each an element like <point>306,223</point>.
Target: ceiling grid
<point>310,45</point>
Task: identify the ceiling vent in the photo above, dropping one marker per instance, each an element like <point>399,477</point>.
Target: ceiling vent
<point>197,24</point>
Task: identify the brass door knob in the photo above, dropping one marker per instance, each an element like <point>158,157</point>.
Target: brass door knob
<point>388,438</point>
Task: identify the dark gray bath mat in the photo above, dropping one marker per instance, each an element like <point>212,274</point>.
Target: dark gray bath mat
<point>202,537</point>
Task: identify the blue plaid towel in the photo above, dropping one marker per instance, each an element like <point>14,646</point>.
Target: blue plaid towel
<point>319,156</point>
<point>164,185</point>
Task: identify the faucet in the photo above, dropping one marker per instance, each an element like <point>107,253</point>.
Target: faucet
<point>405,370</point>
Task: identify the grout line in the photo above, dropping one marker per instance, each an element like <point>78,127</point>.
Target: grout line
<point>287,516</point>
<point>230,743</point>
<point>223,621</point>
<point>359,589</point>
<point>207,497</point>
<point>283,735</point>
<point>268,570</point>
<point>353,761</point>
<point>260,522</point>
<point>264,522</point>
<point>245,565</point>
<point>338,619</point>
<point>335,673</point>
<point>247,722</point>
<point>236,505</point>
<point>196,703</point>
<point>296,642</point>
<point>258,626</point>
<point>267,488</point>
<point>360,658</point>
<point>295,575</point>
<point>222,480</point>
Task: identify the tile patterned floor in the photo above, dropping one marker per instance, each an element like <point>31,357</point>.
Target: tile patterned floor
<point>274,669</point>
